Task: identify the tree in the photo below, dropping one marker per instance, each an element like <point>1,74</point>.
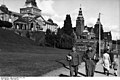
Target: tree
<point>64,38</point>
<point>5,24</point>
<point>27,34</point>
<point>48,37</point>
<point>1,23</point>
<point>67,28</point>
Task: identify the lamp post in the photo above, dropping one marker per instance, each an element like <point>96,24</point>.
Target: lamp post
<point>118,65</point>
<point>118,59</point>
<point>99,36</point>
<point>105,43</point>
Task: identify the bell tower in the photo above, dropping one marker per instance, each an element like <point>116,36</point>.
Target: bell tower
<point>79,23</point>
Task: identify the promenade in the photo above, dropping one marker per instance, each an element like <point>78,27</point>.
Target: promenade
<point>64,72</point>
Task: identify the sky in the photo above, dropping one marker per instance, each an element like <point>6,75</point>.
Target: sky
<point>57,10</point>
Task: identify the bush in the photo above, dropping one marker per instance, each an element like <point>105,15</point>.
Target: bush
<point>5,24</point>
<point>50,38</point>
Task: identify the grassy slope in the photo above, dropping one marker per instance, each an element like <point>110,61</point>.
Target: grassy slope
<point>31,63</point>
<point>19,57</point>
<point>7,36</point>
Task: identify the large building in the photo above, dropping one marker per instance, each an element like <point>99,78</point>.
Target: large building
<point>79,23</point>
<point>85,32</point>
<point>29,18</point>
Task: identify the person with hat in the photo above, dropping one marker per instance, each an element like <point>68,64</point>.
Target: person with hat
<point>90,64</point>
<point>73,58</point>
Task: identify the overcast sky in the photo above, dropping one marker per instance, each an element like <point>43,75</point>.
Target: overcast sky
<point>57,10</point>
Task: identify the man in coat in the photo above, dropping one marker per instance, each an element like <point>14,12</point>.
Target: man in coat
<point>90,63</point>
<point>73,58</point>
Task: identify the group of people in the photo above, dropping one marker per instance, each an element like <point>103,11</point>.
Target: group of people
<point>90,60</point>
<point>109,61</point>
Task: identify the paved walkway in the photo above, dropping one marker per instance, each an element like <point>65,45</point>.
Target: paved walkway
<point>64,72</point>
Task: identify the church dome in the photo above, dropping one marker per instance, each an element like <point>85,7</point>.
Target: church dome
<point>85,31</point>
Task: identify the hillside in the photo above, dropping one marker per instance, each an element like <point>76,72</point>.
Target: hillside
<point>8,36</point>
<point>10,40</point>
<point>20,57</point>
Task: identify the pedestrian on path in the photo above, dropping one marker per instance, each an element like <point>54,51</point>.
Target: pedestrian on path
<point>106,62</point>
<point>73,58</point>
<point>90,64</point>
<point>115,66</point>
<point>111,57</point>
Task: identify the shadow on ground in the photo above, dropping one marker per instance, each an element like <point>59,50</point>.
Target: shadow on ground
<point>103,73</point>
<point>63,75</point>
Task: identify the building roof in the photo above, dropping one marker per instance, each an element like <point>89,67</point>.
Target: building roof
<point>89,28</point>
<point>47,22</point>
<point>107,35</point>
<point>5,10</point>
<point>16,14</point>
<point>21,20</point>
<point>50,22</point>
<point>85,31</point>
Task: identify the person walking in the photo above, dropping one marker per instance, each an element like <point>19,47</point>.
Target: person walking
<point>106,62</point>
<point>115,65</point>
<point>73,58</point>
<point>90,64</point>
<point>111,57</point>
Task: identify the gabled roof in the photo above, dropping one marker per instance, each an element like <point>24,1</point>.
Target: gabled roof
<point>89,29</point>
<point>16,14</point>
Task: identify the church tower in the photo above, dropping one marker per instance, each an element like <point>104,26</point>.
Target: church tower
<point>79,23</point>
<point>96,29</point>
